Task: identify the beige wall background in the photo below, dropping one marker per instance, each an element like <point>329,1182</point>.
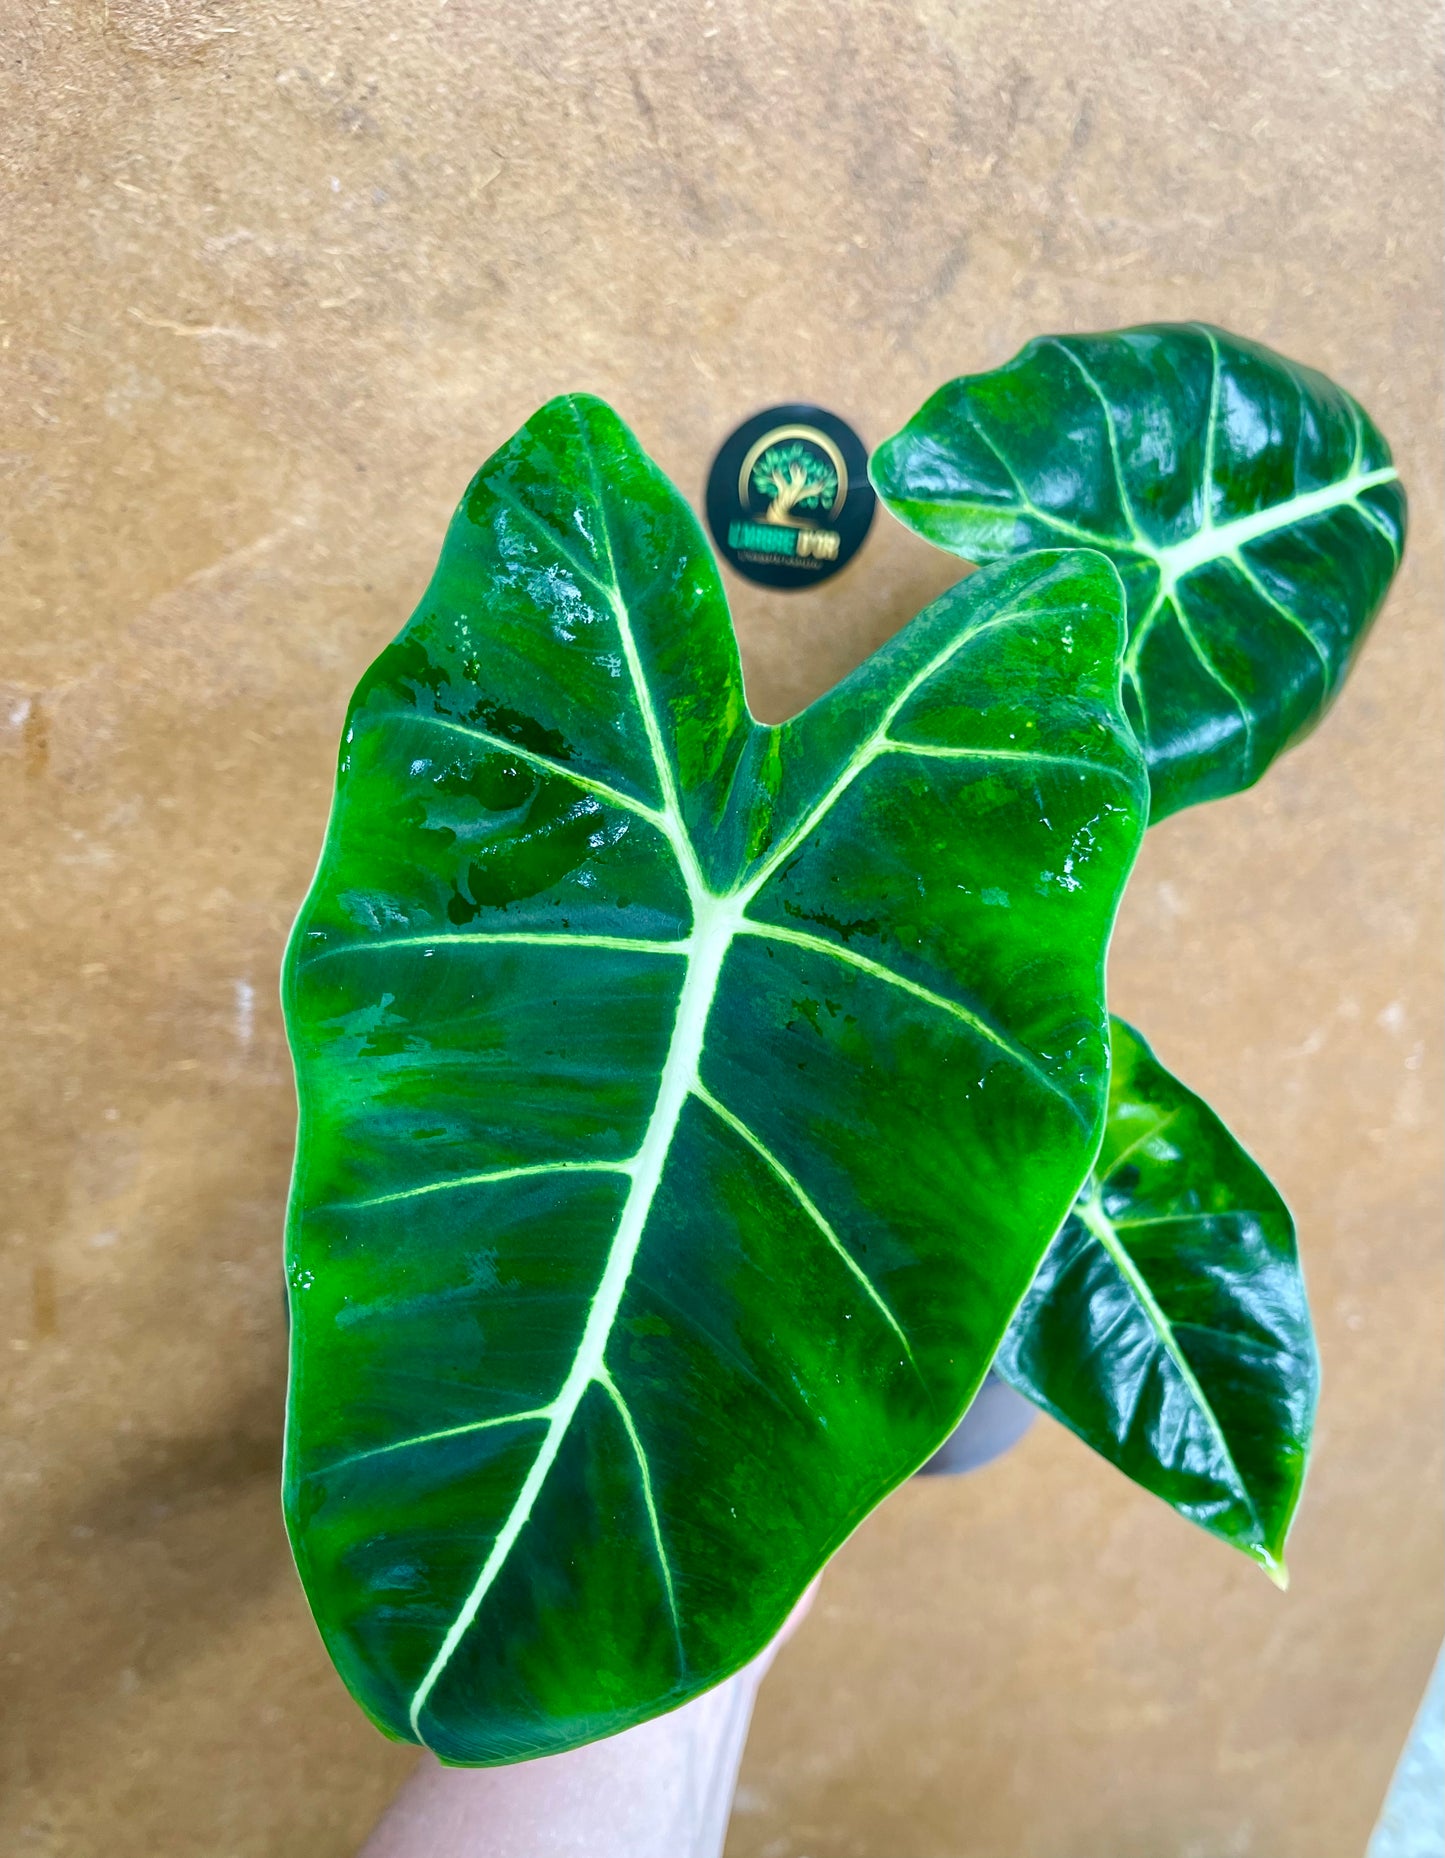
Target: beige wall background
<point>279,277</point>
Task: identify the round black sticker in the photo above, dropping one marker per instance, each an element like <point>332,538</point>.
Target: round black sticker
<point>788,497</point>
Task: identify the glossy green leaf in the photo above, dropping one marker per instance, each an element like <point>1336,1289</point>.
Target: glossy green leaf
<point>685,1104</point>
<point>1168,1324</point>
<point>1248,503</point>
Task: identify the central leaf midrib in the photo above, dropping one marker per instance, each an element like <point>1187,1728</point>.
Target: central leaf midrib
<point>711,940</point>
<point>1101,1228</point>
<point>1210,542</point>
<point>1214,542</point>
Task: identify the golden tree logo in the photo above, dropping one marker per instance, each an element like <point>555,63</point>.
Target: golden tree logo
<point>788,497</point>
<point>797,479</point>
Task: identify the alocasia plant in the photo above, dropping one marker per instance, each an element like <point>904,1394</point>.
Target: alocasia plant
<point>686,1104</point>
<point>1250,505</point>
<point>692,1110</point>
<point>1168,1324</point>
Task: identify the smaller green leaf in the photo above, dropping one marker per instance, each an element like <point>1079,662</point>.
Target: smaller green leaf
<point>1250,505</point>
<point>1168,1324</point>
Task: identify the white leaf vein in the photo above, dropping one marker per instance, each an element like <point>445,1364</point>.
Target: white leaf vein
<point>1102,1229</point>
<point>810,1207</point>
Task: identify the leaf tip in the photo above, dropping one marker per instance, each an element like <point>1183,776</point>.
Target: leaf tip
<point>1274,1567</point>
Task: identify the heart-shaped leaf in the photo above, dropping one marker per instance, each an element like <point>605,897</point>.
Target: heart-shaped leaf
<point>1168,1325</point>
<point>1248,503</point>
<point>685,1104</point>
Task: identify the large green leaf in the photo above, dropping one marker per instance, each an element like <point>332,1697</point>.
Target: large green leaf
<point>1168,1324</point>
<point>1248,503</point>
<point>685,1104</point>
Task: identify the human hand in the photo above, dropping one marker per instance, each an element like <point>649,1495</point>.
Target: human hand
<point>661,1790</point>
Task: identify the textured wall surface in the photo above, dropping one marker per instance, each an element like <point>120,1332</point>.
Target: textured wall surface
<point>280,276</point>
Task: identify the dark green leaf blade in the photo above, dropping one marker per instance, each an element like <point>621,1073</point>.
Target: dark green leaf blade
<point>1250,505</point>
<point>1168,1325</point>
<point>672,1152</point>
